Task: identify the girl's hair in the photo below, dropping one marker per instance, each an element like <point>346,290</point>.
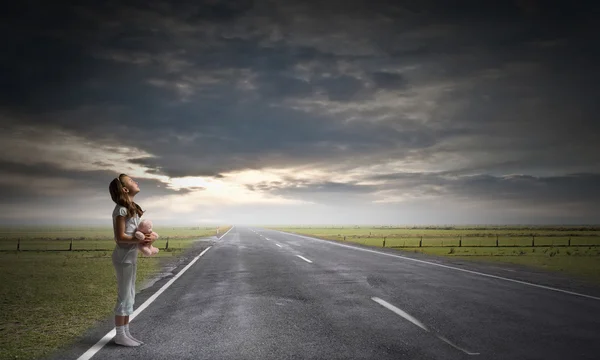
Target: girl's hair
<point>120,198</point>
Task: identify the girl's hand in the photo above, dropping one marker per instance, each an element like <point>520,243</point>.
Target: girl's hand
<point>146,240</point>
<point>148,237</point>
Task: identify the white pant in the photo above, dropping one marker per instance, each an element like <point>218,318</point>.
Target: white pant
<point>126,288</point>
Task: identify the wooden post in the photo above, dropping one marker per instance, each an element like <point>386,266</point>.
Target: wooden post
<point>71,245</point>
<point>384,241</point>
<point>569,241</point>
<point>532,240</point>
<point>421,242</point>
<point>19,244</point>
<point>496,240</point>
<point>167,245</point>
<point>460,241</point>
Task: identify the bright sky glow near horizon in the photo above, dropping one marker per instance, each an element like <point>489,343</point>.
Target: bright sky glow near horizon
<point>302,112</point>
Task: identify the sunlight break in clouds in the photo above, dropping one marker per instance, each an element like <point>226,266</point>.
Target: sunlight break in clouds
<point>207,191</point>
<point>28,145</point>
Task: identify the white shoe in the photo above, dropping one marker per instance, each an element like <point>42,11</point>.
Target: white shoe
<point>125,341</point>
<point>134,339</point>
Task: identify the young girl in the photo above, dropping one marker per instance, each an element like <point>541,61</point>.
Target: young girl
<point>126,217</point>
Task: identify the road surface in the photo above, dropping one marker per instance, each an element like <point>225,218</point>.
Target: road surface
<point>264,294</point>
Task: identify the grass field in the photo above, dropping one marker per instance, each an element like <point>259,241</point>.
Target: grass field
<point>551,250</point>
<point>49,298</point>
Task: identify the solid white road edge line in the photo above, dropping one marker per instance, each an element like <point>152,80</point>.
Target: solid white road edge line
<point>452,267</point>
<point>106,338</point>
<point>100,344</point>
<point>231,228</point>
<point>417,322</point>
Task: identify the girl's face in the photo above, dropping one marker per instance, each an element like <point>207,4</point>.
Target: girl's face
<point>130,186</point>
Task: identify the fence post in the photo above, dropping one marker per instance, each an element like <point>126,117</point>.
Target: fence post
<point>167,245</point>
<point>421,242</point>
<point>569,241</point>
<point>496,240</point>
<point>19,244</point>
<point>460,241</point>
<point>532,240</point>
<point>384,241</point>
<point>71,245</point>
<point>344,238</point>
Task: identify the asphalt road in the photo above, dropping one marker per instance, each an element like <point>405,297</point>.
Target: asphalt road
<point>264,294</point>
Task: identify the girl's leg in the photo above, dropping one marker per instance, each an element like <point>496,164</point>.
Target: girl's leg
<point>121,320</point>
<point>132,297</point>
<point>124,305</point>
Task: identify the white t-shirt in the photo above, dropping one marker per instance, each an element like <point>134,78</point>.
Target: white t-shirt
<point>125,253</point>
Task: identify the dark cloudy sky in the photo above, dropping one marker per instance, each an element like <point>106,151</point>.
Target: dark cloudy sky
<point>268,112</point>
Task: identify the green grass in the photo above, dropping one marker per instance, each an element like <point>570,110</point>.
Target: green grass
<point>479,244</point>
<point>48,299</point>
<point>581,262</point>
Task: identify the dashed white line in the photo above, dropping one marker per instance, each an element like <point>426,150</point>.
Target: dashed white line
<point>278,245</point>
<point>303,258</point>
<point>400,312</point>
<point>454,346</point>
<point>418,323</point>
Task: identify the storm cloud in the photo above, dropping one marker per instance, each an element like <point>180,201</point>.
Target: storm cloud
<point>378,107</point>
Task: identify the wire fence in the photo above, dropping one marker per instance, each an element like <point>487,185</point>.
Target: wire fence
<point>534,240</point>
<point>166,244</point>
<point>44,242</point>
<point>171,244</point>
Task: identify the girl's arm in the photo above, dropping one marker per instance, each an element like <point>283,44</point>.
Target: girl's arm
<point>124,238</point>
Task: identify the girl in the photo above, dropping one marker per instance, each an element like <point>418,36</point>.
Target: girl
<point>126,217</point>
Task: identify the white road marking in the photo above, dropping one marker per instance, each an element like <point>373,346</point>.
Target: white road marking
<point>106,338</point>
<point>452,267</point>
<point>418,323</point>
<point>303,258</point>
<point>400,312</point>
<point>454,346</point>
<point>231,228</point>
<point>278,245</point>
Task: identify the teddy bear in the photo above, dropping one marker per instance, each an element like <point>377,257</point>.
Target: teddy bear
<point>145,227</point>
